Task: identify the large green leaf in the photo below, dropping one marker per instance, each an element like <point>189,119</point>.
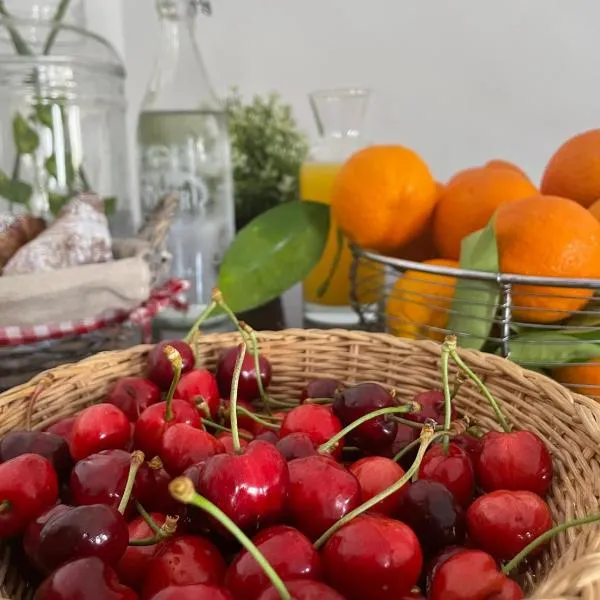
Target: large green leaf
<point>272,253</point>
<point>547,348</point>
<point>475,301</point>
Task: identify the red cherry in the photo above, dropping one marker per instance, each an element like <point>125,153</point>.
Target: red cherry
<point>152,424</point>
<point>152,492</point>
<point>467,575</point>
<point>183,446</point>
<point>28,487</point>
<point>302,589</point>
<point>248,385</point>
<point>268,436</point>
<point>351,403</point>
<point>453,468</point>
<point>87,578</point>
<point>404,436</point>
<point>502,523</point>
<point>518,460</point>
<point>438,560</point>
<point>244,421</point>
<point>133,395</point>
<point>321,492</point>
<point>133,566</point>
<point>181,561</point>
<point>49,445</point>
<point>160,369</point>
<point>250,488</point>
<point>470,444</point>
<point>94,530</point>
<point>510,591</point>
<point>432,405</point>
<point>375,474</point>
<point>296,445</point>
<point>227,440</point>
<point>373,557</point>
<point>99,427</point>
<point>199,388</point>
<point>193,592</point>
<point>288,551</point>
<point>318,422</point>
<point>63,428</point>
<point>320,388</point>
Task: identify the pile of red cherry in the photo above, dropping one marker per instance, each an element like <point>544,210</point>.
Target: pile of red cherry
<point>186,484</point>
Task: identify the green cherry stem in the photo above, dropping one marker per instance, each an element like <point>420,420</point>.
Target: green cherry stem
<point>148,518</point>
<point>427,437</point>
<point>182,489</point>
<point>177,363</point>
<point>203,316</point>
<point>318,401</point>
<point>167,530</point>
<point>261,421</point>
<point>408,423</point>
<point>546,536</point>
<point>255,353</point>
<point>330,444</point>
<point>410,446</point>
<point>137,460</point>
<point>219,427</point>
<point>451,343</point>
<point>447,396</point>
<point>233,419</point>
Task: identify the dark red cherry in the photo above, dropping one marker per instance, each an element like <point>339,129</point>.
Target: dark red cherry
<point>373,557</point>
<point>248,385</point>
<point>296,445</point>
<point>183,560</point>
<point>432,407</point>
<point>405,435</point>
<point>193,592</point>
<point>133,395</point>
<point>88,578</point>
<point>244,421</point>
<point>184,446</point>
<point>199,388</point>
<point>321,492</point>
<point>302,589</point>
<point>94,530</point>
<point>518,460</point>
<point>152,424</point>
<point>452,467</point>
<point>375,474</point>
<point>430,510</point>
<point>289,552</point>
<point>63,428</point>
<point>351,403</point>
<point>99,427</point>
<point>268,436</point>
<point>320,388</point>
<point>160,369</point>
<point>470,444</point>
<point>49,445</point>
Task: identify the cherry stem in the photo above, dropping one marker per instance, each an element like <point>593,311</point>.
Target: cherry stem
<point>237,373</point>
<point>547,535</point>
<point>168,528</point>
<point>450,342</point>
<point>255,353</point>
<point>458,383</point>
<point>177,363</point>
<point>219,427</point>
<point>203,316</point>
<point>318,401</point>
<point>447,397</point>
<point>137,460</point>
<point>330,444</point>
<point>406,449</point>
<point>248,413</point>
<point>148,518</point>
<point>156,463</point>
<point>427,437</point>
<point>408,423</point>
<point>5,506</point>
<point>182,489</point>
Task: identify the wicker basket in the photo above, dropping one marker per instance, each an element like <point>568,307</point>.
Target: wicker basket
<point>568,568</point>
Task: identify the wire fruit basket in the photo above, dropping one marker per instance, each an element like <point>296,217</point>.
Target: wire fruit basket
<point>546,324</point>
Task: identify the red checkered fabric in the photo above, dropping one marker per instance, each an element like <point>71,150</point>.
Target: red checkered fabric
<point>168,295</point>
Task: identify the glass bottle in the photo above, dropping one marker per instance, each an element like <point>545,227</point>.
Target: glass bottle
<point>184,148</point>
<point>339,115</point>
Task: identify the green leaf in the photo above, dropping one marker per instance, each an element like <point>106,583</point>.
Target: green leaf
<point>26,138</point>
<point>52,168</point>
<point>56,201</point>
<point>16,192</point>
<point>547,348</point>
<point>43,113</point>
<point>475,302</point>
<point>110,205</point>
<point>272,253</point>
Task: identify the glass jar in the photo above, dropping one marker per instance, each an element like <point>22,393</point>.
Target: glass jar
<point>62,115</point>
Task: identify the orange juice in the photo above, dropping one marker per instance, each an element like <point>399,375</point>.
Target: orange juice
<point>316,182</point>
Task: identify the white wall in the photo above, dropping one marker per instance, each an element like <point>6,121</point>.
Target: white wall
<point>459,81</point>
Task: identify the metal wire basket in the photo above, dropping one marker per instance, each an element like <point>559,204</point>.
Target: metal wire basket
<point>546,324</point>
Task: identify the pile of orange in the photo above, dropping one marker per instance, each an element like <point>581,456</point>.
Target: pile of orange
<point>386,200</point>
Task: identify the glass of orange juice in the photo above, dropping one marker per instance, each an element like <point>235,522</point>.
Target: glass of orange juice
<point>339,115</point>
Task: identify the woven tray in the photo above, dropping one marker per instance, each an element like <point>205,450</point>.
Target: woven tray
<point>568,569</point>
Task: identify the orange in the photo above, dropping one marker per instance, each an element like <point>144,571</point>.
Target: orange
<point>548,236</point>
<point>419,303</point>
<point>382,197</point>
<point>574,169</point>
<point>470,200</point>
<point>582,379</point>
<point>595,209</point>
<point>498,163</point>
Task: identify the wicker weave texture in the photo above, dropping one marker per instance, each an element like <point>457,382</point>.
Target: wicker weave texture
<point>569,568</point>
